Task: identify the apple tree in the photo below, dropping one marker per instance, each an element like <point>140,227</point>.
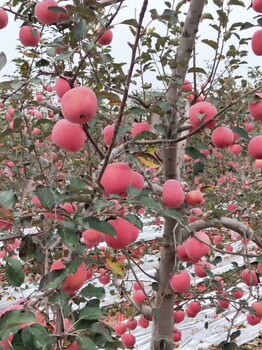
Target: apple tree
<point>91,152</point>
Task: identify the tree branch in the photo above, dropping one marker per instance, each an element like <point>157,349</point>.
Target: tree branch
<point>128,82</point>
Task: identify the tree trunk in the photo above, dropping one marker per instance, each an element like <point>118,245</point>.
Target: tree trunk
<point>162,333</point>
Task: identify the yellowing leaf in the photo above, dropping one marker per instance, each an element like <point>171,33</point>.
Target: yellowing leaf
<point>115,267</point>
<point>148,160</point>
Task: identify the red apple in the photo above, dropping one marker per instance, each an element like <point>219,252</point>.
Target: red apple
<point>222,137</point>
<point>137,180</point>
<point>43,14</point>
<point>255,106</point>
<point>236,149</point>
<point>68,136</point>
<point>138,128</point>
<point>125,233</point>
<point>252,319</point>
<point>108,134</point>
<point>237,293</point>
<point>250,126</point>
<point>249,277</point>
<point>3,18</point>
<point>139,297</point>
<point>117,178</point>
<point>256,43</point>
<point>92,236</point>
<point>257,5</point>
<point>187,86</point>
<point>29,36</point>
<point>202,112</point>
<point>106,38</point>
<point>201,268</point>
<point>131,324</point>
<point>173,195</point>
<point>177,335</point>
<point>257,306</point>
<point>196,249</point>
<point>194,197</point>
<point>255,147</point>
<point>79,105</point>
<point>180,282</point>
<point>62,85</point>
<point>143,322</point>
<point>128,340</point>
<point>120,328</point>
<point>179,316</point>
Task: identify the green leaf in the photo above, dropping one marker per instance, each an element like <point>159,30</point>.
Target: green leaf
<point>46,196</point>
<point>259,259</point>
<point>57,9</point>
<point>3,60</point>
<point>135,220</point>
<point>194,153</point>
<point>53,279</point>
<point>14,272</point>
<point>102,226</point>
<point>27,249</point>
<point>173,214</point>
<point>130,22</point>
<point>236,2</point>
<point>91,314</point>
<point>86,343</point>
<point>246,25</point>
<point>198,168</point>
<point>91,291</point>
<point>8,199</point>
<point>37,337</point>
<point>150,203</point>
<point>234,335</point>
<point>11,321</point>
<point>227,346</point>
<point>197,70</point>
<point>68,237</point>
<point>241,132</point>
<point>210,43</point>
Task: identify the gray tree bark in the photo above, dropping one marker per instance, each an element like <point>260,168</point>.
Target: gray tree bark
<point>162,333</point>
